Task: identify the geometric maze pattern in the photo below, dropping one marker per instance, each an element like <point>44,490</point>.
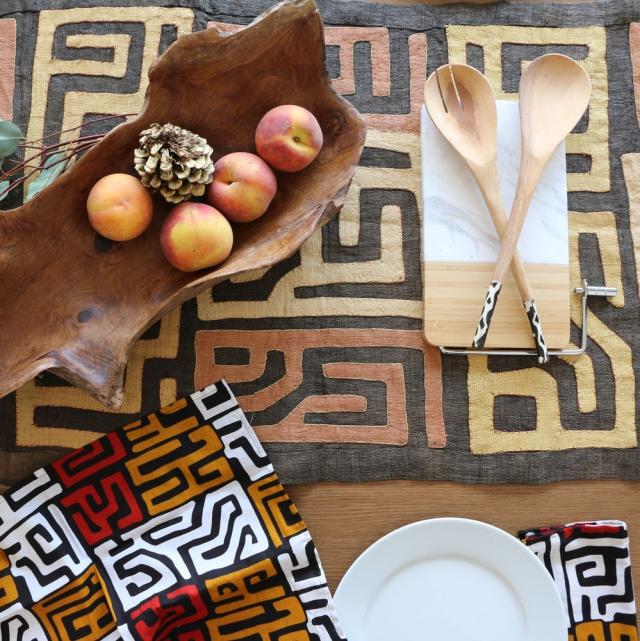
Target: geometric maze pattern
<point>326,361</point>
<point>325,348</point>
<point>502,52</point>
<point>590,565</point>
<point>174,527</point>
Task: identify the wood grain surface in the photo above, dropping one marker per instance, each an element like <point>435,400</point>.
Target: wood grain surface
<point>453,297</point>
<point>344,519</point>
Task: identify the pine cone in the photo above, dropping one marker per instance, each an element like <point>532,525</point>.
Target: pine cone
<point>174,161</point>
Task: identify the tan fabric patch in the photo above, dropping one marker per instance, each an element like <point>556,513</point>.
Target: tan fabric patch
<point>634,44</point>
<point>7,67</point>
<point>631,169</point>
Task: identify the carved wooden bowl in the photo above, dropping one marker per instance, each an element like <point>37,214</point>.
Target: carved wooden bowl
<point>73,303</point>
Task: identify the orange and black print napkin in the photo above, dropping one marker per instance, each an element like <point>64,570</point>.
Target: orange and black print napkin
<point>173,528</point>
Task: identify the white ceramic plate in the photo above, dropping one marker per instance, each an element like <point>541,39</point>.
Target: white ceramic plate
<point>449,579</point>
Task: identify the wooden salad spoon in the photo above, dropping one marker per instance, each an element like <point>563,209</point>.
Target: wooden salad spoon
<point>554,93</point>
<point>462,105</point>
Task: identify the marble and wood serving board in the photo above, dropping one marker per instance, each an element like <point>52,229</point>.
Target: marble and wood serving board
<point>460,243</point>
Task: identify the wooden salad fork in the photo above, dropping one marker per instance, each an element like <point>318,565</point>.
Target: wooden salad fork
<point>554,93</point>
<point>462,105</point>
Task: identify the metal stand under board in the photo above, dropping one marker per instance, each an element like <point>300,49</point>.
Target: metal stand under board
<point>585,291</point>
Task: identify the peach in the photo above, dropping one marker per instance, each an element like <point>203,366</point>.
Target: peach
<point>119,207</point>
<point>288,138</point>
<point>243,186</point>
<point>195,236</point>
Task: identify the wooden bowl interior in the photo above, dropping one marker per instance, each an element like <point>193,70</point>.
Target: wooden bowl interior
<point>76,300</point>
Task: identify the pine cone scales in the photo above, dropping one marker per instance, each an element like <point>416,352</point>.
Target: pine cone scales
<point>174,161</point>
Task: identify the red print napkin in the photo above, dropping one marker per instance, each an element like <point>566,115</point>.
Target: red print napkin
<point>590,564</point>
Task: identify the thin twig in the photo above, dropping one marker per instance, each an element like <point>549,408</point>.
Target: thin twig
<point>13,185</point>
<point>70,149</point>
<point>57,146</point>
<point>22,164</point>
<point>49,148</point>
<point>84,141</point>
<point>89,122</point>
<point>26,176</point>
<point>26,145</point>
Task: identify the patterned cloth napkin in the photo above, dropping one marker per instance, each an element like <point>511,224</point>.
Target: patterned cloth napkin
<point>173,528</point>
<point>590,564</point>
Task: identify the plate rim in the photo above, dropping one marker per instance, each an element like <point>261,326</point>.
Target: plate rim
<point>451,520</point>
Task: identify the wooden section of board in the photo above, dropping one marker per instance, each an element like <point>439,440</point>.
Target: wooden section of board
<point>453,297</point>
<point>344,519</point>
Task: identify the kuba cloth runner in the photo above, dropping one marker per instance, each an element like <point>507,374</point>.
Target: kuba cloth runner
<point>324,350</point>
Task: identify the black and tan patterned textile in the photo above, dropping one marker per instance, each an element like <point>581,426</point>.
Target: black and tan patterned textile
<point>173,528</point>
<point>325,349</point>
<point>590,564</point>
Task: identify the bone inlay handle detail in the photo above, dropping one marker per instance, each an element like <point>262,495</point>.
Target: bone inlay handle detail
<point>487,312</point>
<point>536,330</point>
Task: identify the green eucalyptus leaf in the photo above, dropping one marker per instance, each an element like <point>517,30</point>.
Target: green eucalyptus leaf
<point>10,138</point>
<point>50,172</point>
<point>4,185</point>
